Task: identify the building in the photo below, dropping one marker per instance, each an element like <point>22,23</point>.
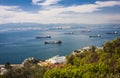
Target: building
<point>57,59</point>
<point>2,70</point>
<point>85,49</point>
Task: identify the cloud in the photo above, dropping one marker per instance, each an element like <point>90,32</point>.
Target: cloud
<point>80,14</point>
<point>37,2</point>
<point>45,3</point>
<point>86,8</point>
<point>107,3</point>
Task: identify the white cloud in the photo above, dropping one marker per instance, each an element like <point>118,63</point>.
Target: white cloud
<point>37,2</point>
<point>80,14</point>
<point>45,2</point>
<point>87,8</point>
<point>107,3</point>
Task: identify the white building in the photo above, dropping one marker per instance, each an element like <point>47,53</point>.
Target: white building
<point>87,49</point>
<point>2,70</point>
<point>57,59</point>
<point>28,59</point>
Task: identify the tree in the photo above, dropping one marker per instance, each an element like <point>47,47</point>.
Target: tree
<point>92,48</point>
<point>8,65</point>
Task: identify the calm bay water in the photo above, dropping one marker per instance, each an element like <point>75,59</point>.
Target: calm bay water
<point>18,42</point>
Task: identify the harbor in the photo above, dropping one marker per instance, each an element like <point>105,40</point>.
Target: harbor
<point>17,45</point>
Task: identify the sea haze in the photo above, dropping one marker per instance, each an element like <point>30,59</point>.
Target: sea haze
<point>18,41</point>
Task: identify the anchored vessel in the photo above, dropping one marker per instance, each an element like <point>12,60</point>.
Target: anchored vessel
<point>69,33</point>
<point>95,35</point>
<point>115,32</point>
<point>44,37</point>
<point>53,42</point>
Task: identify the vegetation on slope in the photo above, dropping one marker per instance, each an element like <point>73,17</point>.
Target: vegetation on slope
<point>97,63</point>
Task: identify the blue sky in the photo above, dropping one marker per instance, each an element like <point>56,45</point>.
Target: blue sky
<point>60,11</point>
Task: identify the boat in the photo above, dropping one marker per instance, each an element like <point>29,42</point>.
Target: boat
<point>115,32</point>
<point>59,28</point>
<point>95,35</point>
<point>44,37</point>
<point>69,33</point>
<point>86,30</point>
<point>53,42</point>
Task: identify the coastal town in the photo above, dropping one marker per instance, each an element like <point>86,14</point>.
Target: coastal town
<point>56,61</point>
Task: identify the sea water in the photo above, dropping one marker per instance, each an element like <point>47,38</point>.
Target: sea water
<point>18,41</point>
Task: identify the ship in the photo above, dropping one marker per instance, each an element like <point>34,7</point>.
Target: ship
<point>95,35</point>
<point>69,33</point>
<point>44,37</point>
<point>53,42</point>
<point>115,32</point>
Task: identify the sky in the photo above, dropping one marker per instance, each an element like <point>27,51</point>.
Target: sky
<point>60,11</point>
